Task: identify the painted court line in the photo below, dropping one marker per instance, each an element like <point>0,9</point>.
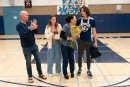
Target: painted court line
<point>103,51</point>
<point>101,71</point>
<point>61,73</point>
<point>117,83</point>
<point>9,55</point>
<point>84,65</point>
<point>76,72</point>
<point>86,73</point>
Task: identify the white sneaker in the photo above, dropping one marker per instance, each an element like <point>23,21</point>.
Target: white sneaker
<point>57,74</point>
<point>50,75</point>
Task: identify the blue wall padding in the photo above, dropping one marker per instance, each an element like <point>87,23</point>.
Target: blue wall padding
<point>1,26</point>
<point>112,23</point>
<point>11,19</point>
<point>44,19</point>
<point>105,23</point>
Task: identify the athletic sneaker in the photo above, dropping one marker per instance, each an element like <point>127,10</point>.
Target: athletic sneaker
<point>79,72</point>
<point>89,74</point>
<point>50,75</point>
<point>57,74</point>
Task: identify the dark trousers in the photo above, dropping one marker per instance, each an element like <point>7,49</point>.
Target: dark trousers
<point>27,54</point>
<point>81,46</point>
<point>68,56</point>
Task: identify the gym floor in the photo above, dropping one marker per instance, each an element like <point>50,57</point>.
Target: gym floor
<point>113,69</point>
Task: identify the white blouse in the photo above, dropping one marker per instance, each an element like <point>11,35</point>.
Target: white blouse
<point>49,34</point>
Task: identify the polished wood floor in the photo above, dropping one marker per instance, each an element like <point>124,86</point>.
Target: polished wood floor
<point>13,69</point>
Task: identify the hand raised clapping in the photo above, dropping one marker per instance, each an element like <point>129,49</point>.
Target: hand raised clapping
<point>33,24</point>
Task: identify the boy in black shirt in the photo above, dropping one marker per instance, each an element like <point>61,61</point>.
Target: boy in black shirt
<point>87,25</point>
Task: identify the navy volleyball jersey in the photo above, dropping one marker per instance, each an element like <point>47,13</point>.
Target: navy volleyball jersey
<point>86,25</point>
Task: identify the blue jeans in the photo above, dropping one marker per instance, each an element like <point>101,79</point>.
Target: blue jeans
<point>68,56</point>
<point>27,54</point>
<point>54,53</point>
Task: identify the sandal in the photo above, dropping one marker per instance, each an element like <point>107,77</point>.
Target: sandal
<point>30,80</point>
<point>43,77</point>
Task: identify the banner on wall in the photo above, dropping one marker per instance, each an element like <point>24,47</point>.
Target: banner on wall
<point>28,4</point>
<point>69,7</point>
<point>72,6</point>
<point>59,2</point>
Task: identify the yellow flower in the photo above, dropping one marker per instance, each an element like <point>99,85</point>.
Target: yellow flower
<point>75,31</point>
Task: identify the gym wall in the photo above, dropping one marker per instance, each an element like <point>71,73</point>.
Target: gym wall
<point>41,10</point>
<point>108,18</point>
<point>1,22</point>
<point>1,12</point>
<point>109,9</point>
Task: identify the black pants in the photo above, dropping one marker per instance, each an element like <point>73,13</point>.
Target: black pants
<point>81,46</point>
<point>68,56</point>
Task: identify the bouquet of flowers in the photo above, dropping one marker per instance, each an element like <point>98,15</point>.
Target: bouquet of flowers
<point>75,31</point>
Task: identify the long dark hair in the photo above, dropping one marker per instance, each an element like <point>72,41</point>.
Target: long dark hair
<point>50,24</point>
<point>68,19</point>
<point>86,10</point>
